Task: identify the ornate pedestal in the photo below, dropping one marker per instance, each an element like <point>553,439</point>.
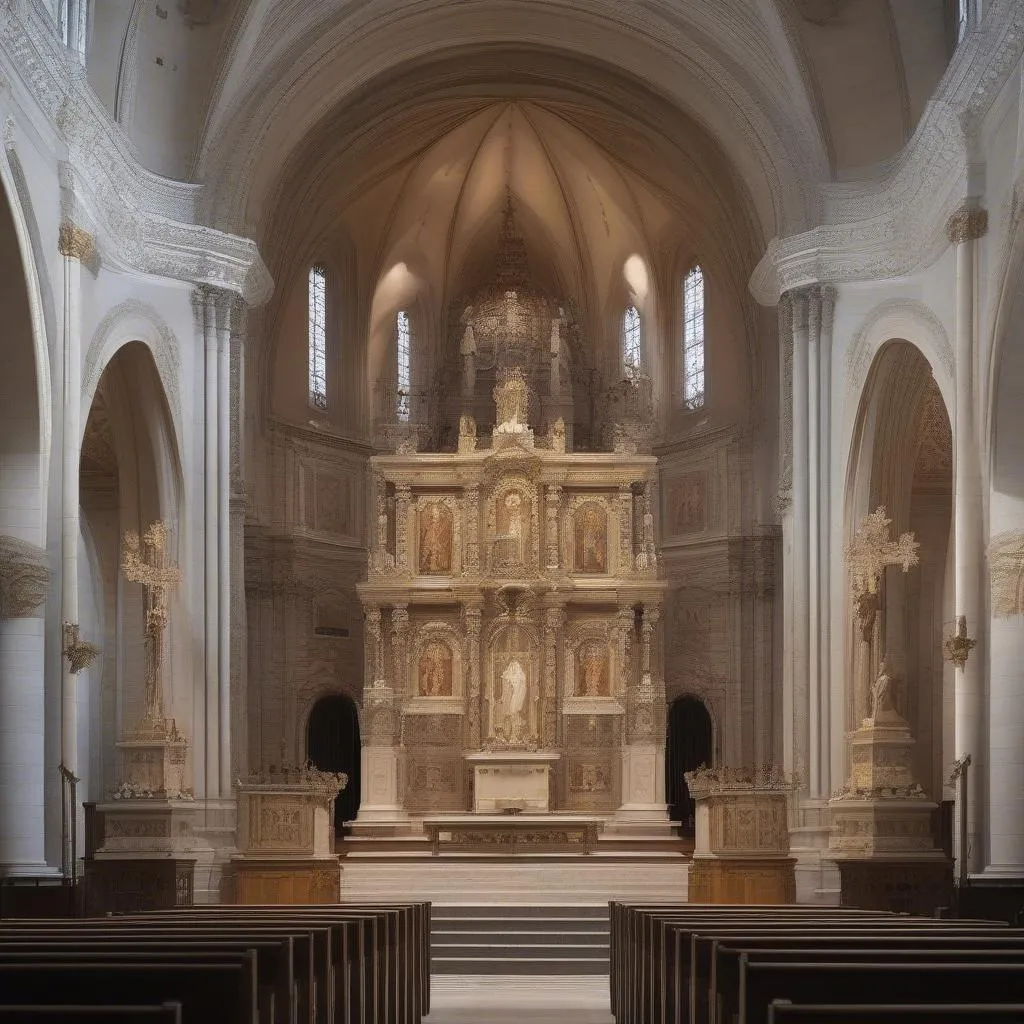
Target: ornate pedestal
<point>517,779</point>
<point>741,853</point>
<point>286,838</point>
<point>882,839</point>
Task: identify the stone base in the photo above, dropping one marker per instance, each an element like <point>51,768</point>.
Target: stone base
<point>742,880</point>
<point>153,763</point>
<point>132,883</point>
<point>145,827</point>
<point>282,880</point>
<point>903,886</point>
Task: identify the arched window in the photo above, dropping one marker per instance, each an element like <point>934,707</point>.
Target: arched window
<point>73,22</point>
<point>318,337</point>
<point>631,361</point>
<point>693,339</point>
<point>402,354</point>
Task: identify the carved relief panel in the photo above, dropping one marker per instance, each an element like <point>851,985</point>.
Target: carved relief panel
<point>437,669</point>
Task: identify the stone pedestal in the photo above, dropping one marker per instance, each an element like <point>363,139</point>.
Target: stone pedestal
<point>882,838</point>
<point>643,788</point>
<point>512,779</point>
<point>286,838</point>
<point>382,771</point>
<point>153,765</point>
<point>741,853</point>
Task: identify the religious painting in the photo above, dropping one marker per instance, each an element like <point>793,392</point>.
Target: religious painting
<point>687,504</point>
<point>435,670</point>
<point>436,530</point>
<point>592,670</point>
<point>591,539</point>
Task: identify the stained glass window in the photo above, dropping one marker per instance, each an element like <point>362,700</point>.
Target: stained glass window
<point>402,351</point>
<point>693,339</point>
<point>631,360</point>
<point>318,337</point>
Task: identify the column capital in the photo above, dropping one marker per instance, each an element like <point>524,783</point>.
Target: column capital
<point>24,578</point>
<point>967,224</point>
<point>76,243</point>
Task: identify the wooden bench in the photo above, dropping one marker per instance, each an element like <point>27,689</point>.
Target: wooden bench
<point>783,1012</point>
<point>762,983</point>
<point>221,993</point>
<point>167,1013</point>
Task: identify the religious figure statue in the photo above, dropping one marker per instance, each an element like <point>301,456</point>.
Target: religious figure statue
<point>592,665</point>
<point>435,539</point>
<point>511,398</point>
<point>512,724</point>
<point>558,435</point>
<point>467,433</point>
<point>591,544</point>
<point>435,671</point>
<point>881,693</point>
<point>145,563</point>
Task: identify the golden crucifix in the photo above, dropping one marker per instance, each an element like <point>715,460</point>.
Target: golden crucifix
<point>147,564</point>
<point>867,556</point>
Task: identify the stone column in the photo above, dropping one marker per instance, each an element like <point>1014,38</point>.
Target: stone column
<point>554,618</point>
<point>24,578</point>
<point>627,563</point>
<point>964,228</point>
<point>553,499</point>
<point>823,635</point>
<point>76,246</point>
<point>225,309</point>
<point>472,620</point>
<point>403,497</point>
<point>236,757</point>
<point>401,680</point>
<point>471,533</point>
<point>643,756</point>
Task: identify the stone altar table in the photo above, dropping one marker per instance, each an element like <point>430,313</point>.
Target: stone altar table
<point>513,833</point>
<point>517,779</point>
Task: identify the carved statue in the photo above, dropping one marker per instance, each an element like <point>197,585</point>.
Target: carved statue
<point>511,398</point>
<point>593,661</point>
<point>467,433</point>
<point>881,692</point>
<point>591,541</point>
<point>512,725</point>
<point>435,671</point>
<point>558,435</point>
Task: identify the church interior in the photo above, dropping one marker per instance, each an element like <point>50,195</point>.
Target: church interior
<point>552,468</point>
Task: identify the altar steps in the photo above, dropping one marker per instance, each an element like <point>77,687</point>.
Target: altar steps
<point>523,940</point>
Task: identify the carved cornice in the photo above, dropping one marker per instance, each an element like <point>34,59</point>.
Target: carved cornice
<point>141,221</point>
<point>24,578</point>
<point>76,242</point>
<point>967,224</point>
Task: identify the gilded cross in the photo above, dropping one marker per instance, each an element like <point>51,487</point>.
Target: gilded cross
<point>146,563</point>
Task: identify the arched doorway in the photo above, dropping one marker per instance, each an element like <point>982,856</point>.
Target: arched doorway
<point>689,745</point>
<point>332,744</point>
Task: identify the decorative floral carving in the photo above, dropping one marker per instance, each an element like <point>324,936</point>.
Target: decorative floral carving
<point>24,578</point>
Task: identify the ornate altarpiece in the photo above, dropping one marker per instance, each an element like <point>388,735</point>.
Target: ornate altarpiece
<point>512,605</point>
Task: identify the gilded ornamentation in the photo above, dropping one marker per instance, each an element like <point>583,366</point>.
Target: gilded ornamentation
<point>958,647</point>
<point>76,243</point>
<point>24,578</point>
<point>967,224</point>
<point>80,653</point>
<point>867,555</point>
<point>1006,566</point>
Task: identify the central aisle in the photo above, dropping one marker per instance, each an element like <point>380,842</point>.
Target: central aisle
<point>500,998</point>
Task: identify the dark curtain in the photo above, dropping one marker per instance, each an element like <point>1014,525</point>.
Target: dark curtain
<point>332,744</point>
<point>688,746</point>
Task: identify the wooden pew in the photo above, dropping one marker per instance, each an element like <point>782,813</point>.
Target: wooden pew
<point>167,1013</point>
<point>784,1012</point>
<point>702,967</point>
<point>223,993</point>
<point>762,983</point>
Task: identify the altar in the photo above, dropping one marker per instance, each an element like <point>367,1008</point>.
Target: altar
<point>512,780</point>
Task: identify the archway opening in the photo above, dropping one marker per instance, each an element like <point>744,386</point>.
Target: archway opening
<point>332,744</point>
<point>688,746</point>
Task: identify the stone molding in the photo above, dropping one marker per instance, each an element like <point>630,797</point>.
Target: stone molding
<point>967,224</point>
<point>896,224</point>
<point>24,578</point>
<point>142,222</point>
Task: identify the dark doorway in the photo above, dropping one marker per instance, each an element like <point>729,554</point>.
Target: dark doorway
<point>688,746</point>
<point>332,744</point>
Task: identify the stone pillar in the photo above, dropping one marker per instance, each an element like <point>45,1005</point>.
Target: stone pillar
<point>471,621</point>
<point>823,635</point>
<point>225,309</point>
<point>643,755</point>
<point>554,618</point>
<point>626,560</point>
<point>373,659</point>
<point>553,499</point>
<point>76,246</point>
<point>964,228</point>
<point>236,756</point>
<point>471,533</point>
<point>400,676</point>
<point>211,530</point>
<point>24,578</point>
<point>403,497</point>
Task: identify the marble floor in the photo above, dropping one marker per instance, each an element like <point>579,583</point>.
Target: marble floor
<point>526,999</point>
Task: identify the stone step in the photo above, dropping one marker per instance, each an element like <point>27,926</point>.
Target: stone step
<point>480,934</point>
<point>519,950</point>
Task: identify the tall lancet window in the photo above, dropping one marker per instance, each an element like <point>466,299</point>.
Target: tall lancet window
<point>402,352</point>
<point>631,359</point>
<point>693,339</point>
<point>318,337</point>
